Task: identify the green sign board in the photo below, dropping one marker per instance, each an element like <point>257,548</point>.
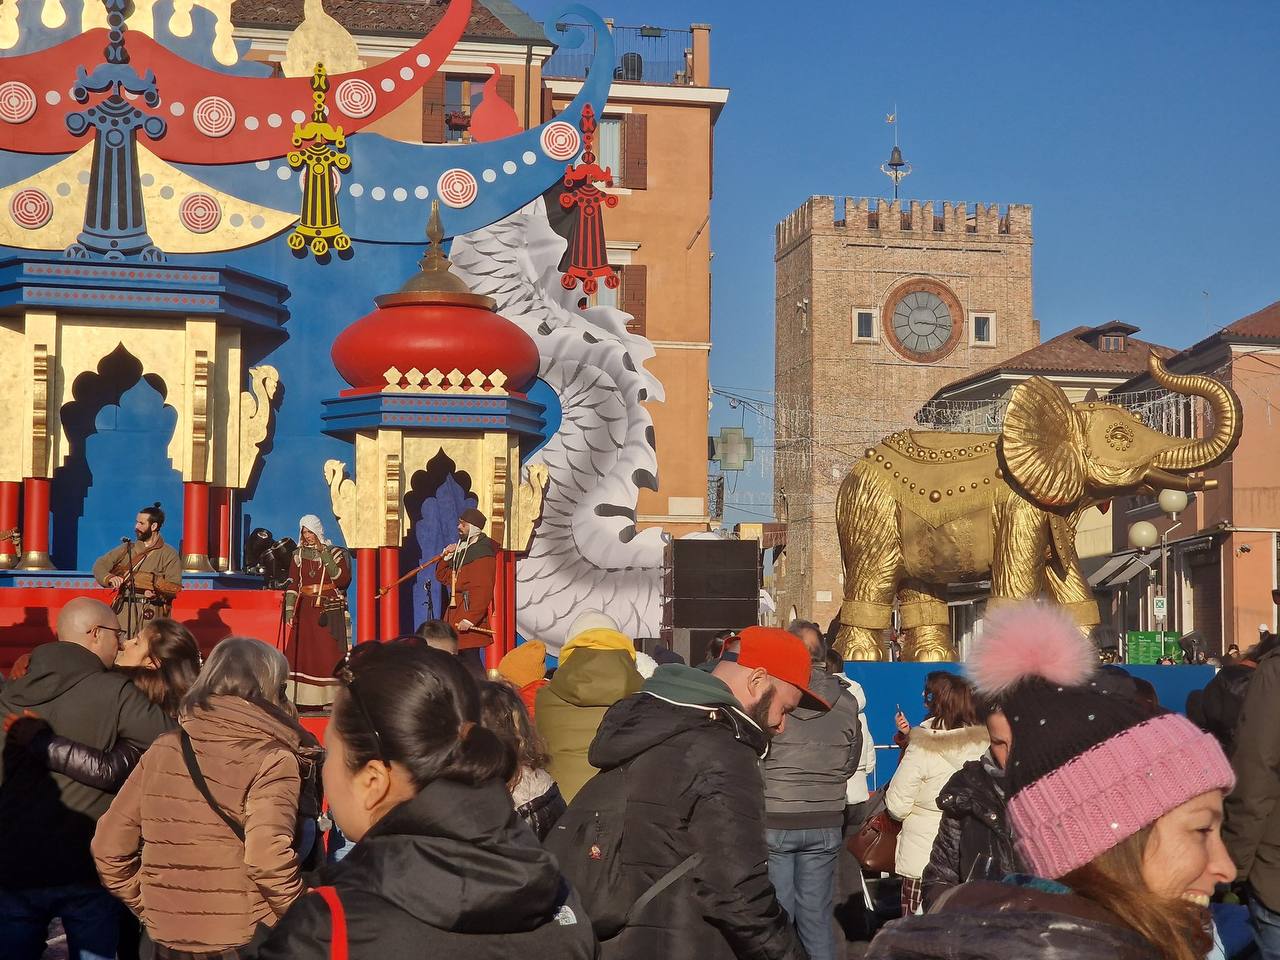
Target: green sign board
<point>1148,646</point>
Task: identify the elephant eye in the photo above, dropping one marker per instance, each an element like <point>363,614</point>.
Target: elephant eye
<point>1119,437</point>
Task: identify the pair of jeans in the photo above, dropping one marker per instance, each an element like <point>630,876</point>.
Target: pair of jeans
<point>1266,929</point>
<point>802,869</point>
<point>90,917</point>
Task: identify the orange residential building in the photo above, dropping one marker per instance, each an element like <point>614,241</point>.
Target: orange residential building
<point>656,135</point>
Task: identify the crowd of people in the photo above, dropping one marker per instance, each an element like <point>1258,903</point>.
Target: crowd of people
<point>622,805</point>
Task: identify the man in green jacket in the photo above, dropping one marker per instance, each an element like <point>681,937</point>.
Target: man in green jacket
<point>47,820</point>
<point>597,669</point>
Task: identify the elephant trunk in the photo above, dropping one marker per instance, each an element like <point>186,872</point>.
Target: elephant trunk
<point>1200,454</point>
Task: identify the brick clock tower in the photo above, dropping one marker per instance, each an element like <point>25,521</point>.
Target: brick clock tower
<point>878,304</point>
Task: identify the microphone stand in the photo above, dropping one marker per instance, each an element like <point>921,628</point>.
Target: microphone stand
<point>128,588</point>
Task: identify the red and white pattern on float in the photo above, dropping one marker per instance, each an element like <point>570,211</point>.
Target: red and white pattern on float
<point>457,188</point>
<point>31,208</point>
<point>214,116</point>
<point>17,102</point>
<point>561,141</point>
<point>356,98</point>
<point>200,213</point>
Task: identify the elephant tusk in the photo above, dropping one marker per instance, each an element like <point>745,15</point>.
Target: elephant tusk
<point>1159,480</point>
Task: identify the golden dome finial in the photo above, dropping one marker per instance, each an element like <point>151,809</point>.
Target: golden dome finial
<point>434,274</point>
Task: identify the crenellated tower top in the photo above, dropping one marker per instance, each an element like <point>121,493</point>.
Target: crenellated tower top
<point>925,221</point>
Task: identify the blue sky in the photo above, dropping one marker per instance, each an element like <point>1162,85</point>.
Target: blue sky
<point>1145,135</point>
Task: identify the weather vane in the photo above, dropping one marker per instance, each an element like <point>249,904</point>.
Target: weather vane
<point>896,168</point>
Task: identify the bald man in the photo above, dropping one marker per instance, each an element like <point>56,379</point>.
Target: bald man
<point>46,820</point>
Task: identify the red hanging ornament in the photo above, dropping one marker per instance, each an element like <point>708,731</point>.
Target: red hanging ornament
<point>588,255</point>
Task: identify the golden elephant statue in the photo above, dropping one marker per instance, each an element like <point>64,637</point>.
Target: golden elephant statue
<point>924,509</point>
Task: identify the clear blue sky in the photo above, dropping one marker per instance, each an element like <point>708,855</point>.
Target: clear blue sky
<point>1145,135</point>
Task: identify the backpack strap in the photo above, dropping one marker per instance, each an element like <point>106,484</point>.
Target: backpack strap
<point>338,939</point>
<point>193,768</point>
<point>664,881</point>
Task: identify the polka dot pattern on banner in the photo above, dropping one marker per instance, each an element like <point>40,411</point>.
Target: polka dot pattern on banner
<point>560,140</point>
<point>199,212</point>
<point>388,84</point>
<point>31,208</point>
<point>509,167</point>
<point>420,192</point>
<point>423,60</point>
<point>53,98</point>
<point>489,175</point>
<point>457,188</point>
<point>274,120</point>
<point>297,116</point>
<point>356,97</point>
<point>17,102</point>
<point>406,73</point>
<point>177,108</point>
<point>214,116</point>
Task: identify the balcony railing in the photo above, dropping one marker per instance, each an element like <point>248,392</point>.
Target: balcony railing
<point>645,55</point>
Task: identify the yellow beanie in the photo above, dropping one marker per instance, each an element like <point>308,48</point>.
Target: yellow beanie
<point>525,664</point>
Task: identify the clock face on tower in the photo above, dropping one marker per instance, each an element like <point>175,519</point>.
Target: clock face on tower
<point>922,320</point>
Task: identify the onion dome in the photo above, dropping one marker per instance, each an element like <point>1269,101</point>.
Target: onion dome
<point>434,322</point>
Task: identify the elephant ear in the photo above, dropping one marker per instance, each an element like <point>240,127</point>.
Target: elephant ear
<point>1042,445</point>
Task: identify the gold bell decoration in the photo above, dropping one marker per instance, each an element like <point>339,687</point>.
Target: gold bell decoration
<point>320,157</point>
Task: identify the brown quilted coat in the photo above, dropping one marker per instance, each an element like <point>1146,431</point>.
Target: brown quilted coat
<point>175,863</point>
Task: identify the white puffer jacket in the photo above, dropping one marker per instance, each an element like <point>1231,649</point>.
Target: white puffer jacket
<point>856,790</point>
<point>932,756</point>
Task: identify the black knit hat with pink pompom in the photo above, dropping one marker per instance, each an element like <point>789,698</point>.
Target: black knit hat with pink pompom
<point>1088,767</point>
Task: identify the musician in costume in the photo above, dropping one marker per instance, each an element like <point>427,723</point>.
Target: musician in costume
<point>468,570</point>
<point>315,614</point>
<point>146,573</point>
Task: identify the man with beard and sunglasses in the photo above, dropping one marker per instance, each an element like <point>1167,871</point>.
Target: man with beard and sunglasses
<point>667,843</point>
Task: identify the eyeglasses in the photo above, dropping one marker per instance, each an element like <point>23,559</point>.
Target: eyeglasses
<point>120,632</point>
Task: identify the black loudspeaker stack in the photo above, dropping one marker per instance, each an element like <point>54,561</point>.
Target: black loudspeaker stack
<point>708,586</point>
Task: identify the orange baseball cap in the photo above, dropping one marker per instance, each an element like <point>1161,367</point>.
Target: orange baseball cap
<point>783,656</point>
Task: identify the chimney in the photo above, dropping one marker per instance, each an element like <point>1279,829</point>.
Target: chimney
<point>701,55</point>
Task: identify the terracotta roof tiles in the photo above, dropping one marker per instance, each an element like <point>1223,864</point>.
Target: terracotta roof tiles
<point>1072,352</point>
<point>404,17</point>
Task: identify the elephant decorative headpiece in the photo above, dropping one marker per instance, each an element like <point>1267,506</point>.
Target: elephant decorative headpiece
<point>924,509</point>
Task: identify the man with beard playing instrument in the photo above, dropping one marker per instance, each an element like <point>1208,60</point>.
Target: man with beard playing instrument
<point>468,572</point>
<point>146,574</point>
<point>666,845</point>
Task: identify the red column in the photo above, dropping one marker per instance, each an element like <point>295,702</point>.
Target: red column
<point>389,605</point>
<point>366,587</point>
<point>195,526</point>
<point>220,527</point>
<point>35,524</point>
<point>494,652</point>
<point>10,491</point>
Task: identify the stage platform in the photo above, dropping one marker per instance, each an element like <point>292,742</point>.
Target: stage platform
<point>211,606</point>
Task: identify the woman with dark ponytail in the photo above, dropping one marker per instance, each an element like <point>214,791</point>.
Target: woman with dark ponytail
<point>442,866</point>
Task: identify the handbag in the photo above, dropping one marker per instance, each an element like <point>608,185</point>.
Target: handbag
<point>875,844</point>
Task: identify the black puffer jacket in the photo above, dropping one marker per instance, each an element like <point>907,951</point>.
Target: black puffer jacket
<point>974,841</point>
<point>683,761</point>
<point>1223,699</point>
<point>999,921</point>
<point>451,873</point>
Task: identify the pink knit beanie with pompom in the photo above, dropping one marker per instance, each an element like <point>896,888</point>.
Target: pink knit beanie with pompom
<point>1088,767</point>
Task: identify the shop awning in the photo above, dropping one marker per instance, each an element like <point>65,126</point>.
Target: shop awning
<point>1109,567</point>
<point>1139,563</point>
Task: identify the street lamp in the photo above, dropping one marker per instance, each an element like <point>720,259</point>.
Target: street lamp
<point>1143,535</point>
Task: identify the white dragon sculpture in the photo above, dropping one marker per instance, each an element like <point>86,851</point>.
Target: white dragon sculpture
<point>586,553</point>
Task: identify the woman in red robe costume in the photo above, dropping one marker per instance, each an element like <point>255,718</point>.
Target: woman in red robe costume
<point>315,611</point>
